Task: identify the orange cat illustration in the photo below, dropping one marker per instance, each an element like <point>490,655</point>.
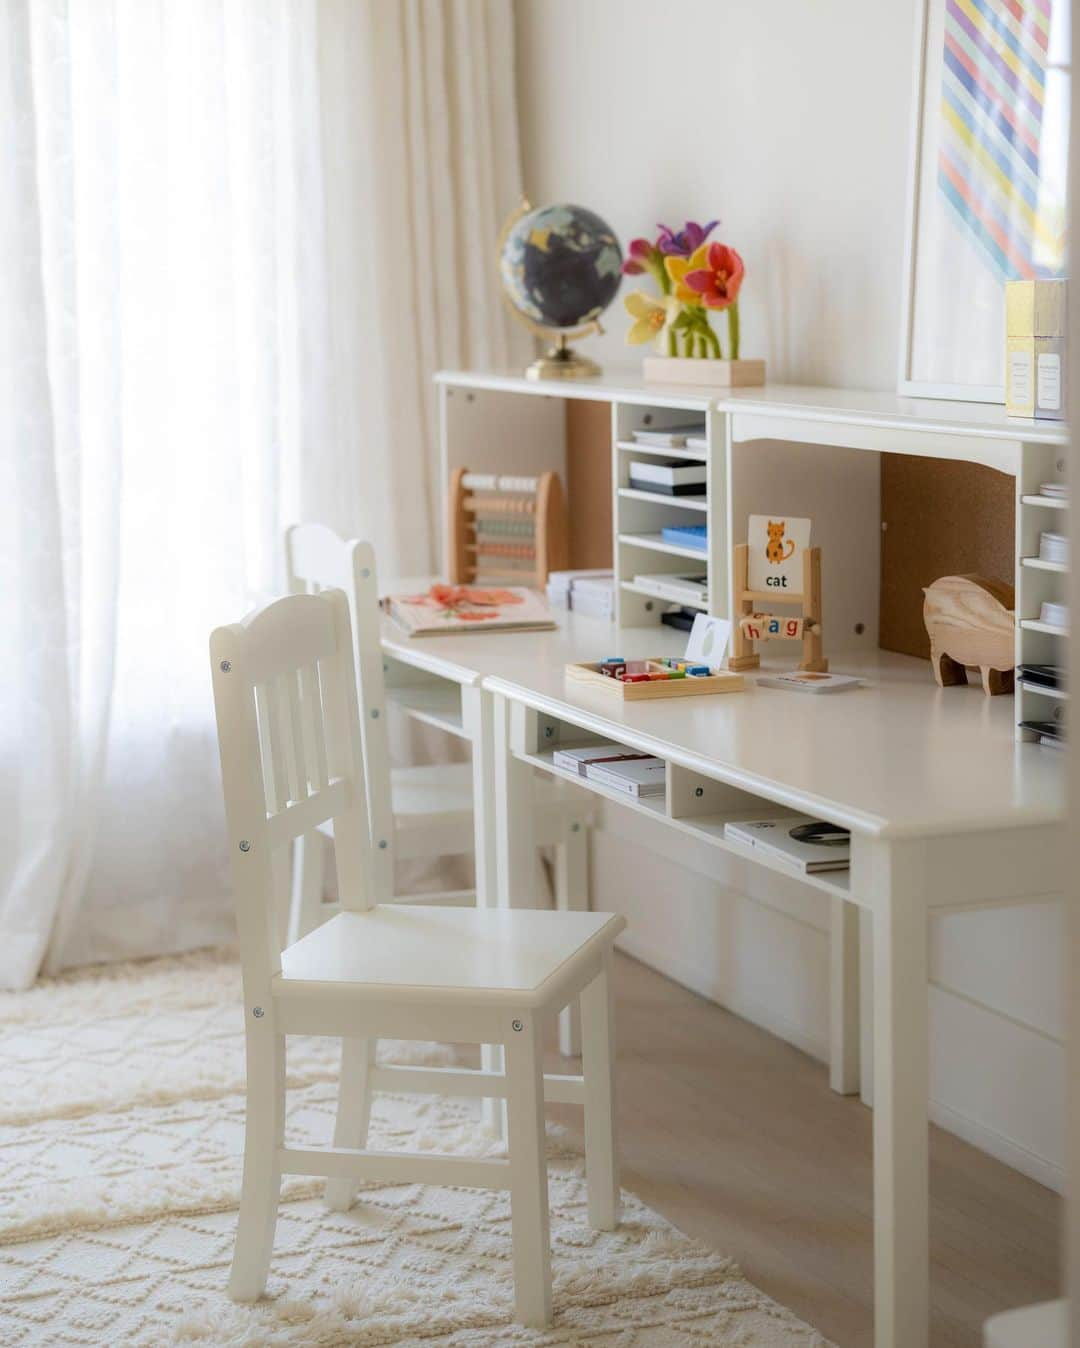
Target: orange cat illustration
<point>774,548</point>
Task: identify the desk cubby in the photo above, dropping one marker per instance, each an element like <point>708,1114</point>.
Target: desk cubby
<point>1038,582</point>
<point>424,697</point>
<point>693,803</point>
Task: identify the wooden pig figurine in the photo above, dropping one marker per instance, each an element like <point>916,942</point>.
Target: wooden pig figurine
<point>969,620</point>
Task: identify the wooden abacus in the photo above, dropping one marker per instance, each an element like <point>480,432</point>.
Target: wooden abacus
<point>752,626</point>
<point>510,528</point>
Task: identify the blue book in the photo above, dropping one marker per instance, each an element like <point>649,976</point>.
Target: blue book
<point>686,535</point>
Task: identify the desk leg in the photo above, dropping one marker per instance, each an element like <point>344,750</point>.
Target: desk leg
<point>844,997</point>
<point>896,872</point>
<point>515,834</point>
<point>478,716</point>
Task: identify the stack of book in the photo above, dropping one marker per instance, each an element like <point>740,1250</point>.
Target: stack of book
<point>615,766</point>
<point>446,609</point>
<point>1056,491</point>
<point>1054,548</point>
<point>584,590</point>
<point>668,477</point>
<point>689,435</point>
<point>807,846</point>
<point>686,535</point>
<point>594,597</point>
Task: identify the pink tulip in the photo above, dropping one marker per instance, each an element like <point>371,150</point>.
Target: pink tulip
<point>718,283</point>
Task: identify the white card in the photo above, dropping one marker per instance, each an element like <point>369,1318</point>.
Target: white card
<point>777,543</point>
<point>708,641</point>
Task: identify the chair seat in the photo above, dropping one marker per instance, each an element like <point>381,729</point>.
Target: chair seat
<point>415,953</point>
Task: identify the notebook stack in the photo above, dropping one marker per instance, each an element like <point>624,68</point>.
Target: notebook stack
<point>688,435</point>
<point>808,846</point>
<point>616,766</point>
<point>588,592</point>
<point>668,477</point>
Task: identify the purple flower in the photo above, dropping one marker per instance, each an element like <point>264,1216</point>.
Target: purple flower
<point>688,239</point>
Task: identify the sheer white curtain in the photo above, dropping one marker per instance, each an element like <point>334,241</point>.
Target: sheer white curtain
<point>236,237</point>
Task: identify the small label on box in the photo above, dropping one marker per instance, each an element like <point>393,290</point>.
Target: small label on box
<point>1049,381</point>
<point>1020,378</point>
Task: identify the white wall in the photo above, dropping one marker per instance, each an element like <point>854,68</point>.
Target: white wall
<point>789,120</point>
<point>786,118</point>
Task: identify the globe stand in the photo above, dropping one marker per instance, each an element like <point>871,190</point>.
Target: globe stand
<point>562,362</point>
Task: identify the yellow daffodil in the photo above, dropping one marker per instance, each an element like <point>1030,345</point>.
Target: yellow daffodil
<point>677,267</point>
<point>652,317</point>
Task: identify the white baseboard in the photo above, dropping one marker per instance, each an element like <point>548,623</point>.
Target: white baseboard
<point>1001,1148</point>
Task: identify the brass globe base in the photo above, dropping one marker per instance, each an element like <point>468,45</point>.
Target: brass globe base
<point>562,362</point>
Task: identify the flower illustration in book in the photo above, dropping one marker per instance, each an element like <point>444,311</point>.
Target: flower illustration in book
<point>466,602</point>
<point>695,277</point>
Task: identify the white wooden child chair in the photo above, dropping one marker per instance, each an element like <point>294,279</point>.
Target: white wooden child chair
<point>289,737</point>
<point>422,811</point>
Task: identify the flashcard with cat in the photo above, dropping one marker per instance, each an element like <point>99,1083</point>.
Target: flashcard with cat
<point>777,544</point>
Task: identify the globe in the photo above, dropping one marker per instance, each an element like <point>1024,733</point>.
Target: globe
<point>560,268</point>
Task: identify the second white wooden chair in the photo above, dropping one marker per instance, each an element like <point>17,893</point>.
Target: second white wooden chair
<point>422,811</point>
<point>291,759</point>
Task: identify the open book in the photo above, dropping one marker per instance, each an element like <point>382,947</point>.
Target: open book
<point>469,608</point>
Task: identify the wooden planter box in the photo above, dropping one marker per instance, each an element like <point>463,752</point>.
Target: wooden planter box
<point>706,371</point>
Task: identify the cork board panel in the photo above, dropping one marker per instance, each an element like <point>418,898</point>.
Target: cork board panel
<point>588,483</point>
<point>939,518</point>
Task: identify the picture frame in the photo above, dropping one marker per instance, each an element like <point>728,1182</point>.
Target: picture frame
<point>986,189</point>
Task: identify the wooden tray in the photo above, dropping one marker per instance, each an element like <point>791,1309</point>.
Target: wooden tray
<point>723,681</point>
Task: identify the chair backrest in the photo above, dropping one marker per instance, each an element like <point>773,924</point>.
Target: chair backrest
<point>317,559</point>
<point>291,758</point>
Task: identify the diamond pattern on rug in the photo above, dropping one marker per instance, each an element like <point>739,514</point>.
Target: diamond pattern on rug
<point>120,1194</point>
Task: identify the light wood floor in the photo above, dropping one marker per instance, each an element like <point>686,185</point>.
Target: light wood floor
<point>736,1138</point>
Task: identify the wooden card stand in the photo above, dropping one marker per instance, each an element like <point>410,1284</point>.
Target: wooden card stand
<point>744,655</point>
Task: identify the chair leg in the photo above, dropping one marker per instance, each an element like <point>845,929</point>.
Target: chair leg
<point>493,1112</point>
<point>528,1173</point>
<point>598,1069</point>
<point>572,895</point>
<point>305,905</point>
<point>264,1133</point>
<point>353,1112</point>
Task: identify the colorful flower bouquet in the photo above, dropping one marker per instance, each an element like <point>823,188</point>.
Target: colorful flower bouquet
<point>696,278</point>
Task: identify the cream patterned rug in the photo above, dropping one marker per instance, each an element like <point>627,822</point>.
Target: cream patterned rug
<point>121,1125</point>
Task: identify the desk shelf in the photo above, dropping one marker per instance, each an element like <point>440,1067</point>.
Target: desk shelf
<point>437,704</point>
<point>1051,629</point>
<point>1037,581</point>
<point>1037,564</point>
<point>659,498</point>
<point>1040,690</point>
<point>662,452</point>
<point>708,828</point>
<point>657,543</point>
<point>631,588</point>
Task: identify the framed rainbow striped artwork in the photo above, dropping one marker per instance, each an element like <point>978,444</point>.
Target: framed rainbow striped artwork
<point>987,184</point>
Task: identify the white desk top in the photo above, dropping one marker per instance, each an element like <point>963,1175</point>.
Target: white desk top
<point>897,757</point>
<point>853,407</point>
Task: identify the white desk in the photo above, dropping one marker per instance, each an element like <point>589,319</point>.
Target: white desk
<point>947,811</point>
